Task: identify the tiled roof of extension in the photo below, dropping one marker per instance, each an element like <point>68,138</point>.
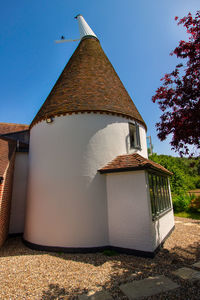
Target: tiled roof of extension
<point>131,162</point>
<point>7,147</point>
<point>88,83</point>
<point>12,127</point>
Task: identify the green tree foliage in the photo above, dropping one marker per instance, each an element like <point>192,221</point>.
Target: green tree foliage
<point>185,177</point>
<point>185,172</point>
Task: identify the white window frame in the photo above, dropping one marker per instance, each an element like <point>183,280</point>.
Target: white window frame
<point>135,143</point>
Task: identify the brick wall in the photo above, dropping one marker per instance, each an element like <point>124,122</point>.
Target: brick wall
<point>5,199</point>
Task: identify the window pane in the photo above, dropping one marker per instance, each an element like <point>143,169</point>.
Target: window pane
<point>159,194</point>
<point>164,193</point>
<point>168,196</point>
<point>152,198</point>
<point>132,132</point>
<point>155,186</point>
<point>137,136</point>
<point>134,135</point>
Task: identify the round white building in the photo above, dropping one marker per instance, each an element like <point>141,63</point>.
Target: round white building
<point>86,121</point>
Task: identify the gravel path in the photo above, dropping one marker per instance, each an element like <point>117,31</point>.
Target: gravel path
<point>29,274</point>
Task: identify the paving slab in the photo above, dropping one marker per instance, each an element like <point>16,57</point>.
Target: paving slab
<point>187,273</point>
<point>189,224</point>
<point>178,222</point>
<point>147,287</point>
<point>197,264</point>
<point>102,295</point>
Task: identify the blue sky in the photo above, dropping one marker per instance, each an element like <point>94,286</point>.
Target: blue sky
<point>137,37</point>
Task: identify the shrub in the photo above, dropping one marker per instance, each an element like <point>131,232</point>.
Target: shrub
<point>181,202</point>
<point>185,202</point>
<point>185,172</point>
<point>185,177</point>
<point>194,205</point>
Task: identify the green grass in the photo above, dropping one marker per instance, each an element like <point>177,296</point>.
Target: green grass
<point>190,215</point>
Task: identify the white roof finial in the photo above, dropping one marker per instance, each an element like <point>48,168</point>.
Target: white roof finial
<point>84,28</point>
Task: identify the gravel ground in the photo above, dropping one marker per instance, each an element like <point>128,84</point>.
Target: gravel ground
<point>29,274</point>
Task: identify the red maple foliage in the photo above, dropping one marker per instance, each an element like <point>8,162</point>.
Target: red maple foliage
<point>179,96</point>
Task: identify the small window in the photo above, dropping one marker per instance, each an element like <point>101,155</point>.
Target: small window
<point>134,134</point>
<point>159,194</point>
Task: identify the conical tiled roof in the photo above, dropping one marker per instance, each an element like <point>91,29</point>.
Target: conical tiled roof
<point>88,83</point>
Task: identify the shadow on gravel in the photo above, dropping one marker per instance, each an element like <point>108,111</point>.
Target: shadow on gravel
<point>126,268</point>
<point>176,255</point>
<point>123,269</point>
<point>54,292</point>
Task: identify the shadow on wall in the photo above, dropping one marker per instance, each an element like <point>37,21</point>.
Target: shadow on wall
<point>157,230</point>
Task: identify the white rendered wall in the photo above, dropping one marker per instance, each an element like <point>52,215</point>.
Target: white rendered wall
<point>129,211</point>
<point>19,193</point>
<point>66,203</point>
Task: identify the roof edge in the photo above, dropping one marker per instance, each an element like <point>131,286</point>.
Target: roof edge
<point>34,122</point>
<point>7,123</point>
<point>132,162</point>
<point>130,169</point>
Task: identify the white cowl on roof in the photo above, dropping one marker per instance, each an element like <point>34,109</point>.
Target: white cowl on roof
<point>84,28</point>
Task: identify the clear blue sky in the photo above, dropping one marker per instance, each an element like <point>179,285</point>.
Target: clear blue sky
<point>137,37</point>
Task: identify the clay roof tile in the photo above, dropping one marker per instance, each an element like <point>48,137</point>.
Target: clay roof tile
<point>131,162</point>
<point>12,127</point>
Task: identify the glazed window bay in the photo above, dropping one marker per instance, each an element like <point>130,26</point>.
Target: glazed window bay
<point>159,194</point>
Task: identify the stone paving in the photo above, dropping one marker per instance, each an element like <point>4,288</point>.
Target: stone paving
<point>187,273</point>
<point>148,287</point>
<point>186,224</point>
<point>197,265</point>
<point>190,224</point>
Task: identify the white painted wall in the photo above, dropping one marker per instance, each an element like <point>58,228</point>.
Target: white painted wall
<point>66,204</point>
<point>128,211</point>
<point>19,193</point>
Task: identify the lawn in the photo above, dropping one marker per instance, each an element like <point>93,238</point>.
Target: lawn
<point>190,215</point>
